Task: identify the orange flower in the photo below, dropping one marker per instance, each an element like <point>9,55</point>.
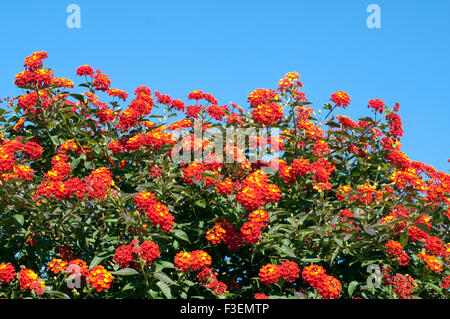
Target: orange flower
<point>100,278</point>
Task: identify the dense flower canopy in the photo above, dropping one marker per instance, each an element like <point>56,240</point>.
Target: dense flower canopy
<point>95,204</point>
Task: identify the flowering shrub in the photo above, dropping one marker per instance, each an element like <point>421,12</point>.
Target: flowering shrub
<point>94,204</point>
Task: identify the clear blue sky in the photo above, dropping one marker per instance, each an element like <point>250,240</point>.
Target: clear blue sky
<point>229,48</point>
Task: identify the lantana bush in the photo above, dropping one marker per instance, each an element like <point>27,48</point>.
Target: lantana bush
<point>106,194</point>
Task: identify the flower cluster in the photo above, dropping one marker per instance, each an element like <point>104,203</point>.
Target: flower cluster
<point>7,273</point>
<point>195,260</point>
<point>99,278</point>
<point>395,249</point>
<point>129,255</point>
<point>156,211</point>
<point>271,273</point>
<point>327,286</point>
<point>28,279</point>
<point>256,191</point>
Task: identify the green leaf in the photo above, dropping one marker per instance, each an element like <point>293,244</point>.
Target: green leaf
<point>351,287</point>
<point>164,278</point>
<point>78,97</point>
<point>165,289</point>
<point>180,234</point>
<point>98,259</point>
<point>125,272</point>
<point>403,240</point>
<point>433,286</point>
<point>19,219</point>
<point>200,203</point>
<point>288,251</point>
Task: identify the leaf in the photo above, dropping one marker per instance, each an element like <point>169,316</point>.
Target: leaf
<point>78,97</point>
<point>164,278</point>
<point>433,286</point>
<point>287,251</point>
<point>403,240</point>
<point>125,272</point>
<point>200,203</point>
<point>180,234</point>
<point>165,289</point>
<point>311,260</point>
<point>58,293</point>
<point>98,259</point>
<point>75,163</point>
<point>351,287</point>
<point>19,218</point>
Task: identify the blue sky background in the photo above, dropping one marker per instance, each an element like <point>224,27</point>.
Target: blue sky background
<point>229,48</point>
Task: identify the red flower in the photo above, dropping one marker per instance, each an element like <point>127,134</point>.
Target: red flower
<point>377,105</point>
<point>7,273</point>
<point>341,99</point>
<point>85,70</point>
<point>269,274</point>
<point>101,81</point>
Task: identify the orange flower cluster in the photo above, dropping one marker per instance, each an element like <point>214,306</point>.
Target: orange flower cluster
<point>99,278</point>
<point>155,139</point>
<point>140,106</point>
<point>28,279</point>
<point>156,211</point>
<point>261,96</point>
<point>432,262</point>
<point>268,114</point>
<point>8,167</point>
<point>271,273</point>
<point>256,191</point>
<point>195,260</point>
<point>327,286</point>
<point>57,265</point>
<point>395,249</point>
<point>226,186</point>
<point>251,230</point>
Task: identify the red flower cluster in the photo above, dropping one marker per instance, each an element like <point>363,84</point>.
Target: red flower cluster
<point>271,273</point>
<point>7,273</point>
<point>128,255</point>
<point>28,279</point>
<point>290,81</point>
<point>377,105</point>
<point>256,191</point>
<point>251,230</point>
<point>57,265</point>
<point>340,98</point>
<point>395,249</point>
<point>327,286</point>
<point>268,113</point>
<point>209,279</point>
<point>156,211</point>
<point>195,260</point>
<point>403,284</point>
